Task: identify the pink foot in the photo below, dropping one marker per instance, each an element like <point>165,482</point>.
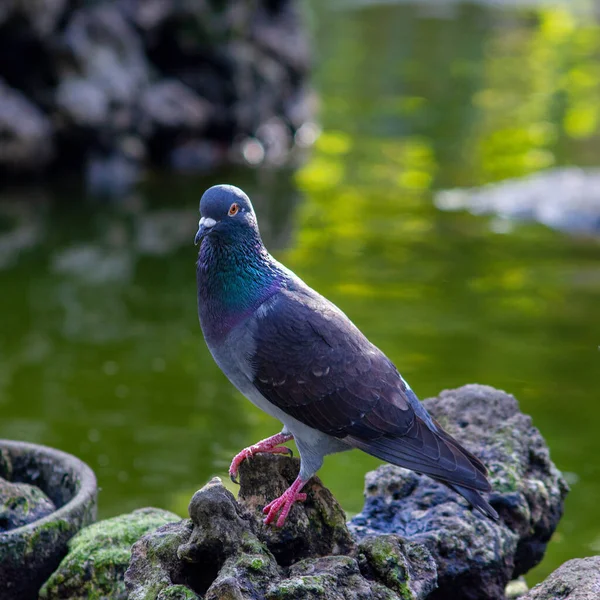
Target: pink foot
<point>270,445</point>
<point>284,503</point>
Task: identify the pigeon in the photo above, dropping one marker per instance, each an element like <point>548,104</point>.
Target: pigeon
<point>299,358</point>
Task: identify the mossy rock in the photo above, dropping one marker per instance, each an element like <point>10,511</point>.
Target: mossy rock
<point>177,592</point>
<point>22,503</point>
<point>99,555</point>
<point>405,567</point>
<point>49,496</point>
<point>327,578</point>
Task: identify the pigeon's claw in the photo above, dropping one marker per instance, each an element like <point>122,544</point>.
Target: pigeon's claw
<point>284,503</point>
<point>270,445</point>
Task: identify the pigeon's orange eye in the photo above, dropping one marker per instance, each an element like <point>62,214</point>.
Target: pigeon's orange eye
<point>234,209</point>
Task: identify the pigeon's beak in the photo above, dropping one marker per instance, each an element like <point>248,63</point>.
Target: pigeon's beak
<point>204,226</point>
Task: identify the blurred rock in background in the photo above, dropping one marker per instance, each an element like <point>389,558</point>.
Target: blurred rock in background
<point>105,88</point>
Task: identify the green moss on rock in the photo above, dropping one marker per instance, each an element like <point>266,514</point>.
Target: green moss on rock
<point>245,574</point>
<point>98,557</point>
<point>406,568</point>
<point>177,592</point>
<point>298,587</point>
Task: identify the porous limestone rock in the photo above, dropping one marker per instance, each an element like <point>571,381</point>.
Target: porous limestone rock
<point>329,578</point>
<point>225,551</point>
<point>475,556</point>
<point>316,527</point>
<point>577,579</point>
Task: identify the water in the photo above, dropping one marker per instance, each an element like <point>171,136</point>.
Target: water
<point>100,350</point>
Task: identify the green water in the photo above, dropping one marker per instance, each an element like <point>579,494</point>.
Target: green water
<point>100,350</point>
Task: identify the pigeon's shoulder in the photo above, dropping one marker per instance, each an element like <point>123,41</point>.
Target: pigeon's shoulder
<point>296,301</point>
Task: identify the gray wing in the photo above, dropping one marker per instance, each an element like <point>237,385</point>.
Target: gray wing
<point>314,364</point>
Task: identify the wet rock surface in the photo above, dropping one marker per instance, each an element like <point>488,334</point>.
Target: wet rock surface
<point>577,579</point>
<point>22,503</point>
<point>191,84</point>
<point>225,551</point>
<point>475,556</point>
<point>99,555</point>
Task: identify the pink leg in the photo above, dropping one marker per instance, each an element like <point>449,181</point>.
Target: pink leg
<point>270,445</point>
<point>284,503</point>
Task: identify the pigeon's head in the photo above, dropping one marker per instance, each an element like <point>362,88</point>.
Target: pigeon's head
<point>226,212</point>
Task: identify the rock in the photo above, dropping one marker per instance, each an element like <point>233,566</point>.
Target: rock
<point>567,199</point>
<point>224,551</point>
<point>475,557</point>
<point>22,503</point>
<point>171,105</point>
<point>25,133</point>
<point>407,568</point>
<point>275,29</point>
<point>154,563</point>
<point>29,554</point>
<point>329,578</point>
<point>177,592</point>
<point>412,535</point>
<point>577,579</point>
<point>190,80</point>
<point>84,102</point>
<point>98,557</point>
<point>105,51</point>
<point>219,525</point>
<point>246,574</point>
<point>213,551</point>
<point>316,527</point>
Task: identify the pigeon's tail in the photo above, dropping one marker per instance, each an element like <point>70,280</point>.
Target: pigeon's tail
<point>437,454</point>
<point>475,499</point>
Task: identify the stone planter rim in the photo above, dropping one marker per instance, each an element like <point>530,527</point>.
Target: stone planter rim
<point>88,483</point>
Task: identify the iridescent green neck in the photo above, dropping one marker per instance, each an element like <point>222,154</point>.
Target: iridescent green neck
<point>234,279</point>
